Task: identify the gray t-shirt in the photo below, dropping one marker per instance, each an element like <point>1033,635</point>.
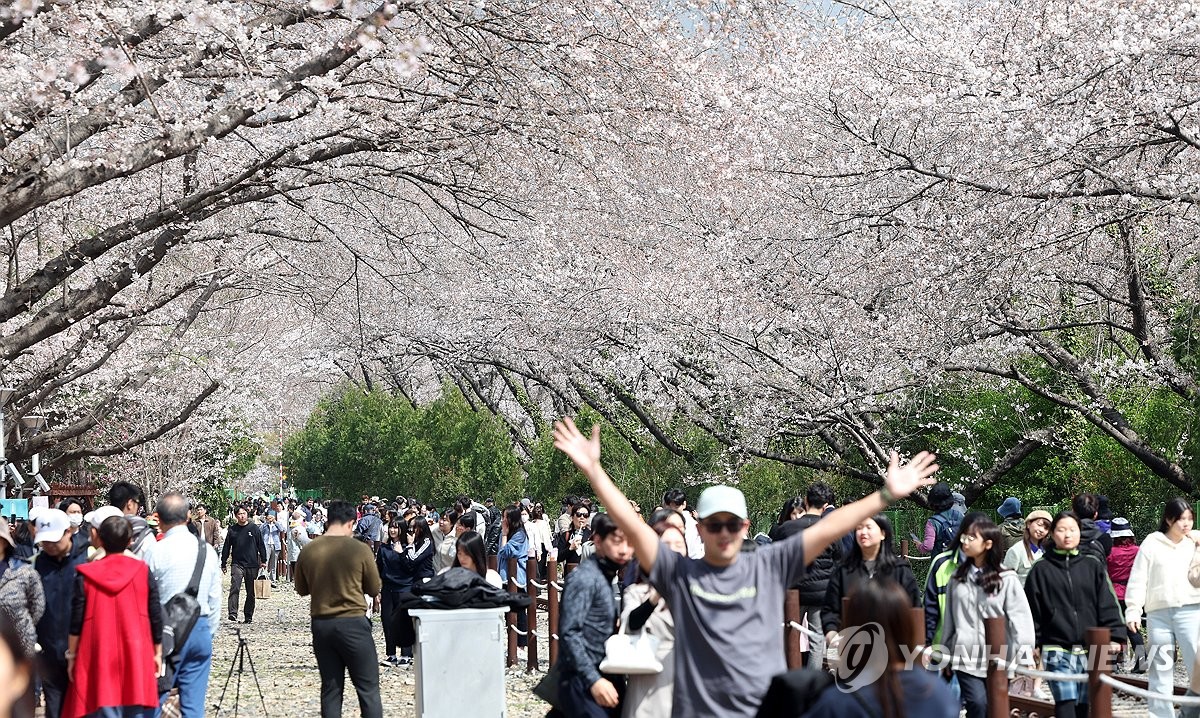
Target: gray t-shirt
<point>728,626</point>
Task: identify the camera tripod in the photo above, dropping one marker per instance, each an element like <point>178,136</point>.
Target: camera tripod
<point>238,665</point>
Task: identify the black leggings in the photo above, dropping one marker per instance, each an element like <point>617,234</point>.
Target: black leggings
<point>404,634</point>
<point>1135,637</point>
<point>388,604</point>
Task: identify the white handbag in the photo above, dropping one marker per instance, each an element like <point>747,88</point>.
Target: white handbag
<point>631,655</point>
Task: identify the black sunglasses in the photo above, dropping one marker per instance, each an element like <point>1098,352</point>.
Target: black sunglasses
<point>733,526</point>
<point>584,514</point>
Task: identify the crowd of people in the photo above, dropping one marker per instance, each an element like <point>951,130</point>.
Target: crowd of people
<point>82,594</point>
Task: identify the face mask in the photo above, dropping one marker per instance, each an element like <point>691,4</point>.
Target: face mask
<point>76,519</point>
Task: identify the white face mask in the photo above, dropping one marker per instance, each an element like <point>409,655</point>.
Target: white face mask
<point>75,519</point>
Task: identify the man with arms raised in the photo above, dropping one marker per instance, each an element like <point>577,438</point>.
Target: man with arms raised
<point>728,606</point>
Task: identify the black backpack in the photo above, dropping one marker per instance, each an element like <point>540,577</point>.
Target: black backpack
<point>943,532</point>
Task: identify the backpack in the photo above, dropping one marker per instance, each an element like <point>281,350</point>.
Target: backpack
<point>944,526</point>
<point>492,535</point>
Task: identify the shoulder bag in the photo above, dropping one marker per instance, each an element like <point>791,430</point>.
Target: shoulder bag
<point>631,654</point>
<point>182,610</point>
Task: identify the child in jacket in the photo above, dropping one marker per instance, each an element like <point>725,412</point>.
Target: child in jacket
<point>1069,592</point>
<point>981,589</point>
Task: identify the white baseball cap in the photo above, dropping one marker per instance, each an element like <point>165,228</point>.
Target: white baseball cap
<point>95,518</point>
<point>722,499</point>
<point>51,525</point>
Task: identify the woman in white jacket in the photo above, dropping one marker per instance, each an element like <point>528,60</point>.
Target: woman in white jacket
<point>1159,590</point>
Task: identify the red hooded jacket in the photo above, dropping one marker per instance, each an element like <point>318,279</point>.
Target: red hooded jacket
<point>114,663</point>
<point>1120,563</point>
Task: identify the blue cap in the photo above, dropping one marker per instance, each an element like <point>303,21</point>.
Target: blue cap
<point>1011,507</point>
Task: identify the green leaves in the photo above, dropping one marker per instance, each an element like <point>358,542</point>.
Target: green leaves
<point>378,444</point>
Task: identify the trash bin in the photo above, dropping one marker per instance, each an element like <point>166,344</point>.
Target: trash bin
<point>460,653</point>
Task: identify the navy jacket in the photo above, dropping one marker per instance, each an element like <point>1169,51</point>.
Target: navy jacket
<point>58,585</point>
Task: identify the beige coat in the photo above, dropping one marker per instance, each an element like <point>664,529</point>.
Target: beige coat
<point>650,696</point>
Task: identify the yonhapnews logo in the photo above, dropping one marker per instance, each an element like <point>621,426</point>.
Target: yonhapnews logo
<point>862,657</point>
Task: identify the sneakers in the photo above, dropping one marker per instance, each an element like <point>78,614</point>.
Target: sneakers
<point>233,618</point>
<point>390,661</point>
<point>404,661</point>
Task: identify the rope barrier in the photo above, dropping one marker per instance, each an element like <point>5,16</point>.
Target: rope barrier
<point>1147,695</point>
<point>919,558</point>
<point>808,631</point>
<point>1044,675</point>
<point>538,586</point>
<point>519,632</point>
<point>557,586</point>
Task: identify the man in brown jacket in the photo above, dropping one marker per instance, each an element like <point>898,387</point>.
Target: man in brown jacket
<point>207,527</point>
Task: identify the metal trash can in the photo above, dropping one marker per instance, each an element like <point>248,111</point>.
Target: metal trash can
<point>460,653</point>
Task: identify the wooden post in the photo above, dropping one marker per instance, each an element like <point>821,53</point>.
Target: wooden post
<point>917,637</point>
<point>531,663</point>
<point>997,678</point>
<point>552,609</point>
<point>904,549</point>
<point>491,561</point>
<point>1099,662</point>
<point>791,636</point>
<point>511,616</point>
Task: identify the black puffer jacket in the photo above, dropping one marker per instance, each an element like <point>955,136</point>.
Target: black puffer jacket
<point>845,580</point>
<point>1069,593</point>
<point>816,576</point>
<point>1093,541</point>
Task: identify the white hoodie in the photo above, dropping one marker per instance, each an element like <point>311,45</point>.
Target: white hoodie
<point>1159,578</point>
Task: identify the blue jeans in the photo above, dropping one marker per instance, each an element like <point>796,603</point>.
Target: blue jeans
<point>1164,628</point>
<point>192,666</point>
<point>1066,662</point>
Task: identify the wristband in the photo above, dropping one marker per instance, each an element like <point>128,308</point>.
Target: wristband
<point>886,495</point>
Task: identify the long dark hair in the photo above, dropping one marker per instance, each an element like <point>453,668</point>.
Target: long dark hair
<point>397,524</point>
<point>472,543</point>
<point>886,604</point>
<point>887,556</point>
<point>1173,511</point>
<point>990,578</point>
<point>785,514</point>
<point>420,530</point>
<point>512,515</point>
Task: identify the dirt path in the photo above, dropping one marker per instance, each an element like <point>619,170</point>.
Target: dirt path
<point>280,647</point>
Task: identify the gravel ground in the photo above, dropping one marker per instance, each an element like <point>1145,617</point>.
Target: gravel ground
<point>280,647</point>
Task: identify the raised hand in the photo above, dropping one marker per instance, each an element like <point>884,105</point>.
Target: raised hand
<point>583,451</point>
<point>903,480</point>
